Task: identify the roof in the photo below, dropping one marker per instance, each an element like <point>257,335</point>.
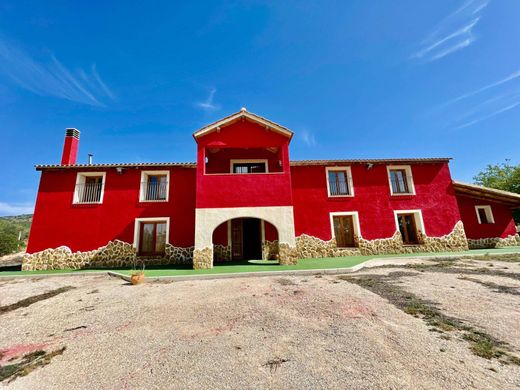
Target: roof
<point>110,165</point>
<point>297,163</point>
<point>292,163</point>
<point>243,114</point>
<point>507,198</point>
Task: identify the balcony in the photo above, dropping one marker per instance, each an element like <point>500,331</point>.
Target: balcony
<point>88,193</point>
<point>154,191</point>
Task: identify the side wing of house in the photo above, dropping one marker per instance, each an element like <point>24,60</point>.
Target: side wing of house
<point>487,215</point>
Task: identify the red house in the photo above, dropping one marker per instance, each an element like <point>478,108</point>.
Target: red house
<point>245,199</point>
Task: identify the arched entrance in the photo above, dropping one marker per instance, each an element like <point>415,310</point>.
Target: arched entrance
<point>245,239</point>
<point>207,220</point>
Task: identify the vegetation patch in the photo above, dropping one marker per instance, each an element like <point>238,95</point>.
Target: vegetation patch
<point>35,298</point>
<point>481,344</point>
<point>498,288</point>
<point>27,363</point>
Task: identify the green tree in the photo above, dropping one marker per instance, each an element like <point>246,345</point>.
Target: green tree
<point>502,177</point>
<point>8,239</point>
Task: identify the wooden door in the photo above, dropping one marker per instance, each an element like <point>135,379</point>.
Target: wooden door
<point>152,239</point>
<point>344,231</point>
<point>408,228</point>
<point>237,239</point>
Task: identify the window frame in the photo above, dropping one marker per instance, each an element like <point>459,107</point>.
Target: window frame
<point>409,179</point>
<point>355,223</point>
<point>137,229</point>
<point>246,161</point>
<point>489,214</point>
<point>419,222</point>
<point>350,182</point>
<point>81,179</point>
<point>144,178</point>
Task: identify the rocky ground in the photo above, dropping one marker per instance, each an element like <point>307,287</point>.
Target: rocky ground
<point>443,324</point>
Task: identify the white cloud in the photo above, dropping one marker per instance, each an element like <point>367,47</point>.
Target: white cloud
<point>52,78</point>
<point>308,138</point>
<point>453,33</point>
<point>7,209</point>
<point>209,104</point>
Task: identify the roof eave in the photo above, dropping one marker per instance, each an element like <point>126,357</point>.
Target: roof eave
<point>509,199</point>
<point>237,116</point>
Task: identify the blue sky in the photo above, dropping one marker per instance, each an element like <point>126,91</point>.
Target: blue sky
<point>352,79</point>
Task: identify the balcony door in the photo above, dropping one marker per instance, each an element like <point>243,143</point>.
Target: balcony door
<point>248,166</point>
<point>152,240</point>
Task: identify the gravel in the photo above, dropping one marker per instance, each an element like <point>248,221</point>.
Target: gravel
<point>299,332</point>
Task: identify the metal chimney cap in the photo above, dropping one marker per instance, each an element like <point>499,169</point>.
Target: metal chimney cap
<point>72,132</point>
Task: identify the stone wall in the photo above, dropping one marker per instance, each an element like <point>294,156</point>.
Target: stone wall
<point>221,253</point>
<point>178,255</point>
<point>203,258</point>
<point>288,255</point>
<point>312,247</point>
<point>270,250</point>
<point>114,254</point>
<point>494,242</point>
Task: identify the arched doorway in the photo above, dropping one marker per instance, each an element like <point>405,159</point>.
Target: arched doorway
<point>245,238</point>
<point>208,219</point>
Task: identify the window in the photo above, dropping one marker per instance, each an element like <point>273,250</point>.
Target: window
<point>401,182</point>
<point>345,228</point>
<point>484,214</point>
<point>89,188</point>
<point>154,186</point>
<point>151,236</point>
<point>248,166</point>
<point>410,225</point>
<point>339,181</point>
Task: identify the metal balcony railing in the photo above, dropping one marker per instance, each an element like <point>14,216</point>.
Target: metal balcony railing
<point>154,190</point>
<point>89,192</point>
<point>339,187</point>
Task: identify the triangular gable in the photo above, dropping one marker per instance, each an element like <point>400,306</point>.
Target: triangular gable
<point>241,115</point>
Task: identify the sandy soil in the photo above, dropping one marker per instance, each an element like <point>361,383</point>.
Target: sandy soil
<point>276,332</point>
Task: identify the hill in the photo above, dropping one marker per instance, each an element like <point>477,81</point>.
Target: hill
<point>14,232</point>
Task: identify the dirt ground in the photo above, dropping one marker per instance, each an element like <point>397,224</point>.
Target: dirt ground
<point>271,332</point>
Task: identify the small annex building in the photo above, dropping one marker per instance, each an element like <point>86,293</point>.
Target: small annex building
<point>244,198</point>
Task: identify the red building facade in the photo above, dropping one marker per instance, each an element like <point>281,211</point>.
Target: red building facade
<point>245,199</point>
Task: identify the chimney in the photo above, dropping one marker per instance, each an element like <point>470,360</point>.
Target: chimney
<point>70,147</point>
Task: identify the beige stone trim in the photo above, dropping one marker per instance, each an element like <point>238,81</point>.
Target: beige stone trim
<point>207,220</point>
<point>494,242</point>
<point>312,247</point>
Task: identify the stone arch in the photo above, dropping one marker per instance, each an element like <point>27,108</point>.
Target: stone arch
<point>207,220</point>
<point>264,245</point>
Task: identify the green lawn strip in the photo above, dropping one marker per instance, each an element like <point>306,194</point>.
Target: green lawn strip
<point>240,267</point>
<point>236,267</point>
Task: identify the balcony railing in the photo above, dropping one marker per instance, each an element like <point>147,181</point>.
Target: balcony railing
<point>154,190</point>
<point>339,187</point>
<point>89,192</point>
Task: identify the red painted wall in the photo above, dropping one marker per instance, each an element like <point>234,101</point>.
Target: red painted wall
<point>58,222</point>
<point>504,224</point>
<point>245,190</point>
<point>434,196</point>
<point>219,162</point>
